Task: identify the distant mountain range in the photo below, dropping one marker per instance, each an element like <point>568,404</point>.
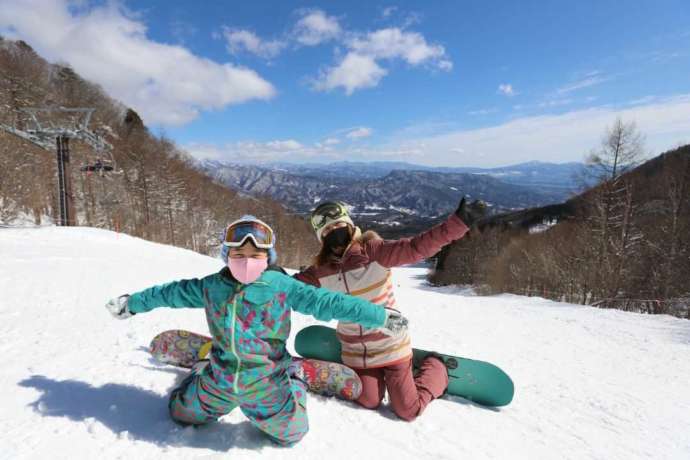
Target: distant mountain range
<point>563,177</point>
<point>399,194</point>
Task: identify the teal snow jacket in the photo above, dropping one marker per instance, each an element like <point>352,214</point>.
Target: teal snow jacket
<point>250,323</point>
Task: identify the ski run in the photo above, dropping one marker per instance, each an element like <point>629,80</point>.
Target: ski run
<point>76,383</point>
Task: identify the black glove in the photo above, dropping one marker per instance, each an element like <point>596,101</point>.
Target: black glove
<point>470,213</point>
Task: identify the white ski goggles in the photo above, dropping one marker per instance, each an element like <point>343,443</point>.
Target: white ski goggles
<point>257,231</point>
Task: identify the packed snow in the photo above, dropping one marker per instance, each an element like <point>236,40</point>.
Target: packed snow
<point>77,383</point>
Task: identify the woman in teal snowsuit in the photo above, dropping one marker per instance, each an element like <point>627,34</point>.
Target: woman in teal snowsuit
<point>248,312</point>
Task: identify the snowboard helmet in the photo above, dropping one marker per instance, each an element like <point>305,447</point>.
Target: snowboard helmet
<point>250,228</point>
<point>327,213</point>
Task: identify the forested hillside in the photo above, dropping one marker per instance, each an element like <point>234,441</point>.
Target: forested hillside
<point>153,192</point>
<point>622,244</point>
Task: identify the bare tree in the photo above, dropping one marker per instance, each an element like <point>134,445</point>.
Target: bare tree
<point>622,148</point>
<point>613,208</point>
<point>669,245</point>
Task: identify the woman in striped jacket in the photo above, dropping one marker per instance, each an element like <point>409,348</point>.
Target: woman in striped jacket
<point>360,264</point>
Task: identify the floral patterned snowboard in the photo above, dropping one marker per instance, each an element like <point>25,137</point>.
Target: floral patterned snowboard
<point>184,348</point>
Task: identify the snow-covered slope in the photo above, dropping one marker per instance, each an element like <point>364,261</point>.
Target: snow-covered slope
<point>76,383</point>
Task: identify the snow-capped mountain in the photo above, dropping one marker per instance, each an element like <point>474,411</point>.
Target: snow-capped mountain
<point>377,190</point>
<point>552,177</point>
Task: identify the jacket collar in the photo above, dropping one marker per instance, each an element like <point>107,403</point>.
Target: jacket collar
<point>226,275</point>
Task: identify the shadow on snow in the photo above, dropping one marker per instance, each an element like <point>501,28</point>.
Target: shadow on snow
<point>137,414</point>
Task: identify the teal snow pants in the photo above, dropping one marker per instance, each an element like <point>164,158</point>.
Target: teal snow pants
<point>278,407</point>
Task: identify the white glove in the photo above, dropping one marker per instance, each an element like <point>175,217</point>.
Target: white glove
<point>118,307</point>
<point>396,324</point>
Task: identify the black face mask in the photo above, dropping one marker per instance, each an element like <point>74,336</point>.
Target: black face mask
<point>338,238</point>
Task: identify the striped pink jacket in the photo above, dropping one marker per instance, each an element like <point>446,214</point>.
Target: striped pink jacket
<point>364,271</point>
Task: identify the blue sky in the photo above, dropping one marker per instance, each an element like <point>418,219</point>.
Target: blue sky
<point>456,83</point>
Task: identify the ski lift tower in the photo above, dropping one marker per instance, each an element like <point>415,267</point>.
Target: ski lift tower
<point>54,135</point>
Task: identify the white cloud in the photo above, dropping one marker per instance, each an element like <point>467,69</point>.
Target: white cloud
<point>182,30</point>
<point>392,43</point>
<point>555,138</point>
<point>555,103</point>
<point>483,111</point>
<point>206,151</point>
<point>360,133</point>
<point>360,67</point>
<point>412,19</point>
<point>589,79</point>
<point>506,89</point>
<point>331,141</point>
<point>354,72</point>
<point>256,152</point>
<point>166,84</point>
<point>240,40</point>
<point>285,145</point>
<point>445,65</point>
<point>388,11</point>
<point>315,27</point>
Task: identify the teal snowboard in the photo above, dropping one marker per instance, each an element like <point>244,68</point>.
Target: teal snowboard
<point>478,381</point>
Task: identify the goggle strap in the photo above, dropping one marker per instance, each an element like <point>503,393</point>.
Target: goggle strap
<point>255,221</point>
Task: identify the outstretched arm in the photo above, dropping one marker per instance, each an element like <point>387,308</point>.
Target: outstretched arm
<point>326,305</point>
<point>178,294</point>
<point>392,253</point>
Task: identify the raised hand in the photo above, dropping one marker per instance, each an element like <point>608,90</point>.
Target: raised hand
<point>470,213</point>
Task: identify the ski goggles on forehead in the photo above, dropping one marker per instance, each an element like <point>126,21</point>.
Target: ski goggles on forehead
<point>326,212</point>
<point>258,232</point>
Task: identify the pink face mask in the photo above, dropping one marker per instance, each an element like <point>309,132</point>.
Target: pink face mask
<point>247,269</point>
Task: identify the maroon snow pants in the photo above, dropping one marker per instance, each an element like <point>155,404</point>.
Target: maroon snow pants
<point>408,394</point>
